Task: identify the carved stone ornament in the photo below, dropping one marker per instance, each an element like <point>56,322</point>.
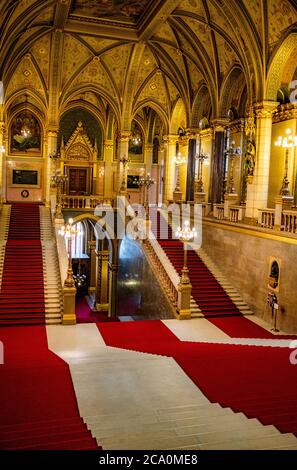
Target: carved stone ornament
<point>79,147</point>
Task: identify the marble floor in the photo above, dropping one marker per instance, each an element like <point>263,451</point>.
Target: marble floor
<point>132,400</point>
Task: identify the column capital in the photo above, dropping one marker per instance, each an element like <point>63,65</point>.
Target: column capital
<point>219,124</point>
<point>207,132</point>
<point>192,133</point>
<point>149,146</point>
<point>2,127</point>
<point>108,144</point>
<point>124,136</point>
<point>171,138</point>
<point>52,132</point>
<point>265,109</point>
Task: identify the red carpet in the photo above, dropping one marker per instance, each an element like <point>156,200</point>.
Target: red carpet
<point>84,314</point>
<point>22,289</point>
<point>259,381</point>
<point>38,403</point>
<point>207,292</point>
<point>211,298</point>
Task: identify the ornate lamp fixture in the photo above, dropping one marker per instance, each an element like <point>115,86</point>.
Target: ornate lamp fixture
<point>59,180</point>
<point>201,157</point>
<point>179,160</point>
<point>146,182</point>
<point>288,142</point>
<point>232,152</point>
<point>185,235</point>
<point>68,231</point>
<point>124,160</point>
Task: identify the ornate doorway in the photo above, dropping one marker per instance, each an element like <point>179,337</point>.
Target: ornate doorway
<point>78,181</point>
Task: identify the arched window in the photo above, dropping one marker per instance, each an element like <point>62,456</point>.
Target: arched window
<point>274,275</point>
<point>156,151</point>
<point>78,242</point>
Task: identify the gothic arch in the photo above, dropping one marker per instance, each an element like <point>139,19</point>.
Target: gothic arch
<point>287,46</point>
<point>231,91</point>
<point>178,117</point>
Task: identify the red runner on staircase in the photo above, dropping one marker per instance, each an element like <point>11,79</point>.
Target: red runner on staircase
<point>38,403</point>
<point>258,381</point>
<point>209,295</point>
<point>22,287</point>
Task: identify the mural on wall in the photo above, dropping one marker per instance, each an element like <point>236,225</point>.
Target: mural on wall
<point>136,143</point>
<point>25,134</point>
<point>121,9</point>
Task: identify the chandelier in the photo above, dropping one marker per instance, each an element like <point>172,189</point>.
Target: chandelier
<point>80,279</point>
<point>136,138</point>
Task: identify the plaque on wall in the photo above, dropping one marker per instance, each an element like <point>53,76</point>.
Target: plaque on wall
<point>25,177</point>
<point>133,181</point>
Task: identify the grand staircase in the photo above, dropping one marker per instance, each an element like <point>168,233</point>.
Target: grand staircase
<point>30,285</point>
<point>52,280</point>
<point>211,292</point>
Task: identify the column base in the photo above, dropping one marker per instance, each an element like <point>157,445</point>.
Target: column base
<point>183,315</point>
<point>69,319</point>
<point>199,198</point>
<point>177,197</point>
<point>184,301</point>
<point>102,307</point>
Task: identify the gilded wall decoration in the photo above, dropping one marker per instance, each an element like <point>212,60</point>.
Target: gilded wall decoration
<point>25,134</point>
<point>281,16</point>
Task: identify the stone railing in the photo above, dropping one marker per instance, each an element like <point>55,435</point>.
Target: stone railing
<point>83,202</point>
<point>218,211</point>
<point>289,219</point>
<point>266,218</point>
<point>167,276</point>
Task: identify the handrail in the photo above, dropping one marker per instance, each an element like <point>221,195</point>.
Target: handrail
<point>83,202</point>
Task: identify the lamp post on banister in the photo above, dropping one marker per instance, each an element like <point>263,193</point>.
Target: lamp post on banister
<point>185,235</point>
<point>288,142</point>
<point>124,160</point>
<point>59,180</point>
<point>69,232</point>
<point>146,182</point>
<point>179,161</point>
<point>232,152</point>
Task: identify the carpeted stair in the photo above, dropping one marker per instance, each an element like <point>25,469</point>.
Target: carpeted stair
<point>209,295</point>
<point>38,404</point>
<point>22,287</point>
<point>258,381</point>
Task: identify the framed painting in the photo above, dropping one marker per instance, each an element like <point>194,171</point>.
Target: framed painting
<point>25,134</point>
<point>133,182</point>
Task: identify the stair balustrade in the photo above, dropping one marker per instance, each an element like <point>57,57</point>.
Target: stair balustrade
<point>266,218</point>
<point>83,202</point>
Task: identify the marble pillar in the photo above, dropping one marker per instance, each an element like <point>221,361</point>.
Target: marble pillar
<point>257,192</point>
<point>170,167</point>
<point>108,175</point>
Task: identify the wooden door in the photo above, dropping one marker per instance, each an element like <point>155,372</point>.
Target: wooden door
<point>78,181</point>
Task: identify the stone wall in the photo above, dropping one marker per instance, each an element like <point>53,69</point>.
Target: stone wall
<point>246,258</point>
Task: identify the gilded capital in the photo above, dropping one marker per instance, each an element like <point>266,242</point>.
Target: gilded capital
<point>265,109</point>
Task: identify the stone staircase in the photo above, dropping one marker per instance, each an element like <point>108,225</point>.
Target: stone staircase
<point>4,226</point>
<point>52,280</point>
<point>203,426</point>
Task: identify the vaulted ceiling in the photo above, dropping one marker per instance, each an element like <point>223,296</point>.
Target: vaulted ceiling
<point>127,54</point>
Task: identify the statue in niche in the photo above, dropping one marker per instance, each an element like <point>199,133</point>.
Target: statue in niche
<point>250,154</point>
